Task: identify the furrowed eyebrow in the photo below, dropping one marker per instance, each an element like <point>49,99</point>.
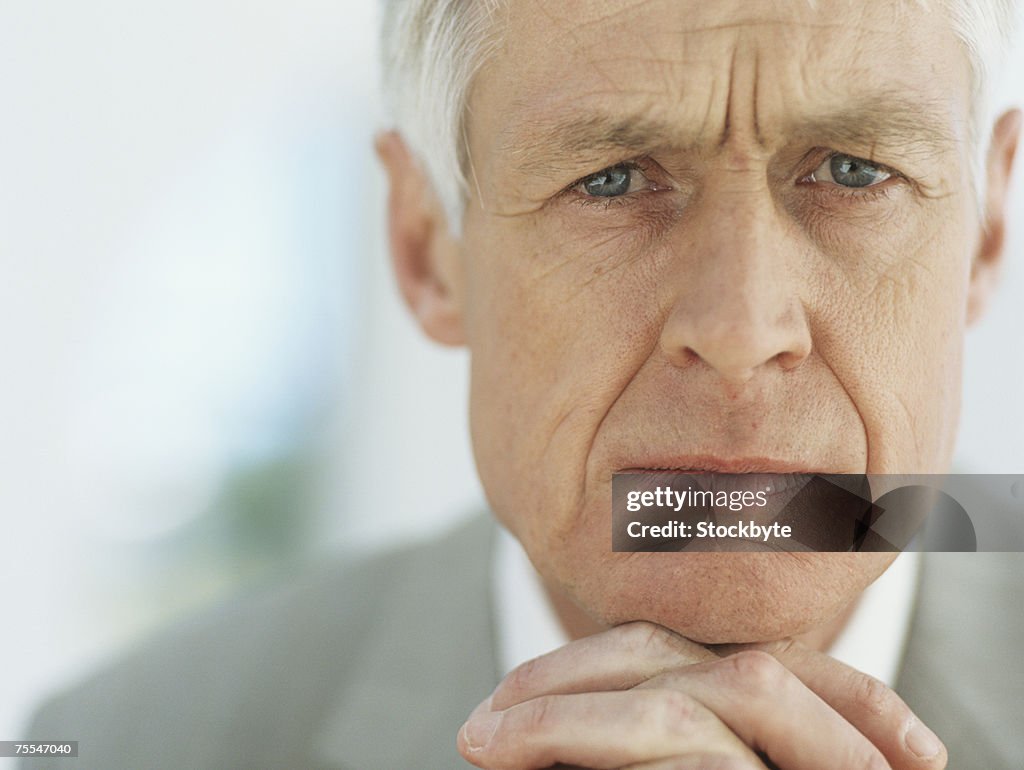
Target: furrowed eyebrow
<point>577,139</point>
<point>912,127</point>
<point>584,138</point>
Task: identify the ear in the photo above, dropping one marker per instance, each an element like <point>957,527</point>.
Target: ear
<point>999,165</point>
<point>424,255</point>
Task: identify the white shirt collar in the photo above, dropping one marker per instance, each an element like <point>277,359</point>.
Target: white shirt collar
<point>872,640</point>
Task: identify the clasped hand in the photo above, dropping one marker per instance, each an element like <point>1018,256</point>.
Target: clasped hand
<point>641,697</point>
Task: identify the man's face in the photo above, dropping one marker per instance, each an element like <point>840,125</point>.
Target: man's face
<point>772,277</point>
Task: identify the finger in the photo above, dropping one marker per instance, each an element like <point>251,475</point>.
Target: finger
<point>596,730</point>
<point>867,703</point>
<point>699,762</point>
<point>616,659</point>
<point>774,713</point>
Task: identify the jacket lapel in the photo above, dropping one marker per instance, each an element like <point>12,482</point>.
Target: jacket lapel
<point>426,663</point>
<point>962,671</point>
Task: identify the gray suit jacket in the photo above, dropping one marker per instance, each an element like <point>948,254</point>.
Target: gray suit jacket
<point>376,665</point>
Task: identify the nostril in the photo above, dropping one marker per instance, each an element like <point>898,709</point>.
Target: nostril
<point>788,360</point>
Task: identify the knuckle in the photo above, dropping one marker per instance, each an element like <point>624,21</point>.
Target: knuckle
<point>756,669</point>
<point>875,697</point>
<point>541,716</point>
<point>519,680</point>
<point>675,711</point>
<point>644,637</point>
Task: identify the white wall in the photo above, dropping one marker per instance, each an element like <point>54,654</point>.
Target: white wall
<point>163,168</point>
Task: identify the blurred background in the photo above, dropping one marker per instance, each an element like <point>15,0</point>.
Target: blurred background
<point>206,378</point>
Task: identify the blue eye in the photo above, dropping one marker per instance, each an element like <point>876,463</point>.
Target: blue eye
<point>848,171</point>
<point>610,182</point>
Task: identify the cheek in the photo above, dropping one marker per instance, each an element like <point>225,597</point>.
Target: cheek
<point>895,340</point>
<point>556,333</point>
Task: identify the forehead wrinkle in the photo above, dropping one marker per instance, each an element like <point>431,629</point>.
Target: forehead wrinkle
<point>544,131</point>
<point>888,120</point>
<point>741,109</point>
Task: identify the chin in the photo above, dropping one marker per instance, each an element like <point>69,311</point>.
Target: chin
<point>728,598</point>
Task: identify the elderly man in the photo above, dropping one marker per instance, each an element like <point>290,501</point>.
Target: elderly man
<point>722,237</point>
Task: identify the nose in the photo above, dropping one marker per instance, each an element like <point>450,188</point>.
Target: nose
<point>736,304</point>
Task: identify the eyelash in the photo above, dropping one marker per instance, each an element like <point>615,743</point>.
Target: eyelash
<point>862,194</point>
<point>588,201</point>
<point>643,165</point>
<point>836,192</point>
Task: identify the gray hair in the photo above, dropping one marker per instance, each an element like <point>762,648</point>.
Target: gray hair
<point>433,48</point>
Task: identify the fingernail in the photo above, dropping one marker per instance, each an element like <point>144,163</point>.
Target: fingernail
<point>485,706</point>
<point>922,742</point>
<point>480,728</point>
